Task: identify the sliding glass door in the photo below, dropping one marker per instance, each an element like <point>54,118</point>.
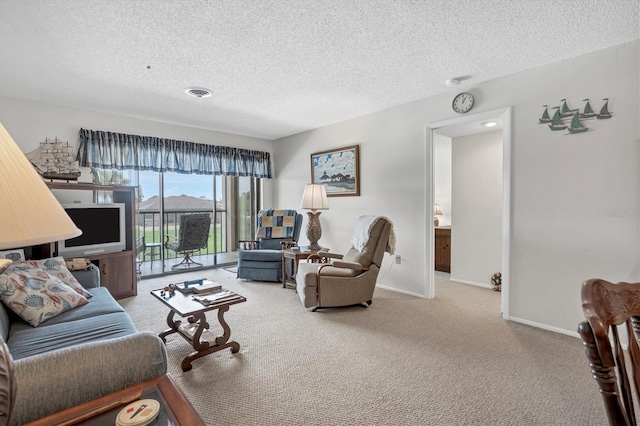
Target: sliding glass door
<point>162,198</point>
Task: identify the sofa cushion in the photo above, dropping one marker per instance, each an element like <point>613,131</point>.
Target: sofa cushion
<point>101,303</point>
<point>27,342</point>
<point>261,255</point>
<point>36,295</point>
<point>57,267</point>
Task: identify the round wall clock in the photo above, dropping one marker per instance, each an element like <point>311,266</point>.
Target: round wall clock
<point>463,102</point>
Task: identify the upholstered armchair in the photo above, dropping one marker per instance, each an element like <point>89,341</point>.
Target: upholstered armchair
<point>261,259</point>
<point>332,280</point>
<point>193,235</point>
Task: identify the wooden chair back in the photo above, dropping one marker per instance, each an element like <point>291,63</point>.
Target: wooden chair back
<point>607,306</point>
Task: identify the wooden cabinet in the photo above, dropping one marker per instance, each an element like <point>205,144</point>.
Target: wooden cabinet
<point>118,272</point>
<point>443,249</point>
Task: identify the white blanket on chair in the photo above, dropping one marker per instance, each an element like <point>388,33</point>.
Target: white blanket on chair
<point>363,228</point>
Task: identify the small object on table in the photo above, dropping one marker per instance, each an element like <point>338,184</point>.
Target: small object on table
<point>198,286</point>
<point>193,282</point>
<point>170,290</point>
<point>138,413</point>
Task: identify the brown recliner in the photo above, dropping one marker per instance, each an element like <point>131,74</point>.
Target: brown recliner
<point>332,280</point>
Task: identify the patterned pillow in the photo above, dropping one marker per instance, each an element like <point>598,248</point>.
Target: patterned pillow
<point>36,295</point>
<point>57,267</point>
<point>276,223</point>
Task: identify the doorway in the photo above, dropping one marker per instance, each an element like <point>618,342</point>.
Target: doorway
<point>465,125</point>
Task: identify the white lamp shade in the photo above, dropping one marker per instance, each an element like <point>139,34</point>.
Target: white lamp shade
<point>29,212</point>
<point>437,210</point>
<point>315,197</point>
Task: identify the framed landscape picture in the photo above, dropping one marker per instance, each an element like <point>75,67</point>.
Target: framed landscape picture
<point>339,171</point>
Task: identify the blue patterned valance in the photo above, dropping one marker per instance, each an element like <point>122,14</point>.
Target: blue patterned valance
<point>107,150</point>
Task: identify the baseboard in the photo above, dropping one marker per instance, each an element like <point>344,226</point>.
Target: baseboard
<point>471,283</point>
<point>545,327</point>
<point>410,293</point>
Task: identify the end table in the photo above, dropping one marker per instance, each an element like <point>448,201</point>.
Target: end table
<point>294,257</point>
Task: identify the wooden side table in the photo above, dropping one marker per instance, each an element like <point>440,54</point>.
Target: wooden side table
<point>294,257</point>
<point>175,408</point>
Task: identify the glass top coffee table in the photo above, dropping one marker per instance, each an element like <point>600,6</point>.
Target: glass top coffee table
<point>196,330</point>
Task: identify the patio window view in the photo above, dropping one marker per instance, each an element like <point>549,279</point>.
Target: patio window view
<point>162,198</point>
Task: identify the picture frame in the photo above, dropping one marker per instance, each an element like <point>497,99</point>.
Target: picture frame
<point>338,169</point>
<point>15,255</point>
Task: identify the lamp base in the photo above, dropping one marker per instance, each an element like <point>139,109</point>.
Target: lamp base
<point>314,231</point>
<point>436,221</point>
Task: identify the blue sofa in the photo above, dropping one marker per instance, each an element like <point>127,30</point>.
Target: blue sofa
<point>77,356</point>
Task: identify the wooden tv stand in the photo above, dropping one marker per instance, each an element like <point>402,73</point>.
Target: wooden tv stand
<point>118,270</point>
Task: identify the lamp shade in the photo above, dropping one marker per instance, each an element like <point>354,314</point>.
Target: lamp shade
<point>437,210</point>
<point>29,212</point>
<point>315,197</point>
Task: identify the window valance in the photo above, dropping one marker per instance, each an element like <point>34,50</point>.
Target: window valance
<point>107,150</point>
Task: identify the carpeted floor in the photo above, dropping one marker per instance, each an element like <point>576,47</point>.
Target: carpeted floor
<point>402,361</point>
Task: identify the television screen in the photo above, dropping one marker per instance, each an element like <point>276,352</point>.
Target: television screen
<point>102,227</point>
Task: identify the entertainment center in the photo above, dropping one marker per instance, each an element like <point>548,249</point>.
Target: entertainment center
<point>117,268</point>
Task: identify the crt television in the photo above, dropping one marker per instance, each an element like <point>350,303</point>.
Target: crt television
<point>102,226</point>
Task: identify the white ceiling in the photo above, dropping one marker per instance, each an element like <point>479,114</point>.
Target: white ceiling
<point>280,67</point>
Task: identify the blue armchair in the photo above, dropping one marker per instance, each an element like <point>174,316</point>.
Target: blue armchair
<point>261,259</point>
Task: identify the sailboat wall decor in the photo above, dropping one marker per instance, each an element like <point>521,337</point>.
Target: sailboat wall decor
<point>604,112</point>
<point>573,120</point>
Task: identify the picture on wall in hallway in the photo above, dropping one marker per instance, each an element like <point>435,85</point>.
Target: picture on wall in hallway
<point>338,169</point>
<point>573,120</point>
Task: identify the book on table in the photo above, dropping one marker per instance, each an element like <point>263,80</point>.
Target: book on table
<point>189,330</point>
<point>219,296</point>
<point>198,286</point>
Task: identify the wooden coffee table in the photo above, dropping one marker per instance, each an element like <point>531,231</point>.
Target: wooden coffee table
<point>201,338</point>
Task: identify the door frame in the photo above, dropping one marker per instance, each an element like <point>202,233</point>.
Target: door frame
<point>431,128</point>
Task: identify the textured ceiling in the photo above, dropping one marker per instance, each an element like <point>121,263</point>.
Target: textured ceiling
<point>280,67</point>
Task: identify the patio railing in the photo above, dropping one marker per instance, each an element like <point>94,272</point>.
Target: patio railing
<point>148,225</point>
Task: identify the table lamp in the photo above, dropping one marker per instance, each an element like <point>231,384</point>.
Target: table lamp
<point>436,212</point>
<point>314,199</point>
<point>29,213</point>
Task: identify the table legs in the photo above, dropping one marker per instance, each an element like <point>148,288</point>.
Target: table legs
<point>202,347</point>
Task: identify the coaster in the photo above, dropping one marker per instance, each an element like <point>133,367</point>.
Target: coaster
<point>138,413</point>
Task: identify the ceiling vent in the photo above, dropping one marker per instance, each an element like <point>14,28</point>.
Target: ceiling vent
<point>198,92</point>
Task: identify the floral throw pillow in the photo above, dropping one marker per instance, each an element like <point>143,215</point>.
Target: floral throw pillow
<point>36,295</point>
<point>57,267</point>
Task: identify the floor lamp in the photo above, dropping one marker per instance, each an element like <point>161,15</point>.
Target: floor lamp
<point>29,212</point>
<point>314,199</point>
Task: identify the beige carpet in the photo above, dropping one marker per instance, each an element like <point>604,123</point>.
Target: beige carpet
<point>403,361</point>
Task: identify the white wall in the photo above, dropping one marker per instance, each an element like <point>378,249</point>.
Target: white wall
<point>442,177</point>
<point>575,198</point>
<point>563,186</point>
<point>29,123</point>
<point>476,234</point>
